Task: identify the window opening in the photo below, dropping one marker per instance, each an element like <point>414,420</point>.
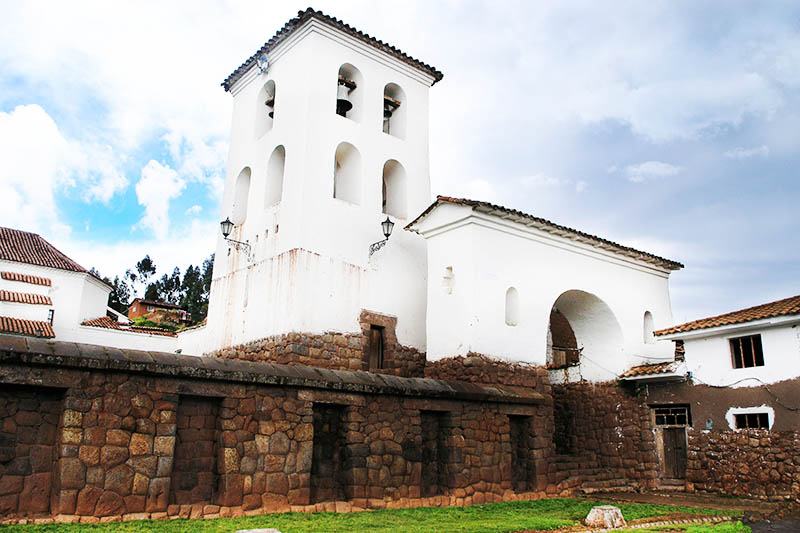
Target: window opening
<point>52,313</point>
<point>752,421</point>
<point>648,328</point>
<point>564,351</point>
<point>746,351</point>
<point>672,416</point>
<point>512,306</point>
<point>375,349</point>
<point>265,109</point>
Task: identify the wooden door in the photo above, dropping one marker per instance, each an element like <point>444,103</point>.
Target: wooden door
<point>674,453</point>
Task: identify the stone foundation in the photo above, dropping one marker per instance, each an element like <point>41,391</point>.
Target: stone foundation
<point>751,463</point>
<point>129,435</point>
<point>335,351</point>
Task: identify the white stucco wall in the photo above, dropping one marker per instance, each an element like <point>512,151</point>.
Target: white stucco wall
<point>708,353</point>
<point>192,341</point>
<point>121,339</point>
<point>328,280</point>
<point>488,255</point>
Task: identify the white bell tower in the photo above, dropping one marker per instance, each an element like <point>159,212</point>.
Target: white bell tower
<point>329,137</point>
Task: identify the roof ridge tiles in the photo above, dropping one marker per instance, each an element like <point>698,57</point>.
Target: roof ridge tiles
<point>303,16</point>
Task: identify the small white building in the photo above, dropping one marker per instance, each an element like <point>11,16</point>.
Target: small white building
<point>44,293</point>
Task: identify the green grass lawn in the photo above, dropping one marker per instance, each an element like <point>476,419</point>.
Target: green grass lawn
<point>493,517</point>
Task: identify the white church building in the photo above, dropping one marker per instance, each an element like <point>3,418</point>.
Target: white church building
<point>329,137</point>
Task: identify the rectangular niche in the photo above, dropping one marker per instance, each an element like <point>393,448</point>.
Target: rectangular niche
<point>434,452</point>
<point>327,465</point>
<point>29,418</point>
<point>194,472</point>
<point>522,472</point>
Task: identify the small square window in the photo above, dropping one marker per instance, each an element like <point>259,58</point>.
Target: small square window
<point>752,421</point>
<point>746,352</point>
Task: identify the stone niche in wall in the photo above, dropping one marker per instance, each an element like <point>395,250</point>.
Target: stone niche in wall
<point>29,422</point>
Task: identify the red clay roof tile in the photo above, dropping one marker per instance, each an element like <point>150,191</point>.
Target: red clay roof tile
<point>25,298</point>
<point>31,328</point>
<point>308,14</point>
<point>650,369</point>
<point>109,323</point>
<point>25,247</point>
<point>785,307</point>
<point>26,278</point>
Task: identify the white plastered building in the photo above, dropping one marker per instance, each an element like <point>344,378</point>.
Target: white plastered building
<point>307,187</point>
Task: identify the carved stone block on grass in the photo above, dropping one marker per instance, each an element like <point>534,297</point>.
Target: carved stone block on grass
<point>605,516</point>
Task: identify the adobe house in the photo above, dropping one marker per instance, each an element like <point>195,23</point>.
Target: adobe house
<point>726,409</point>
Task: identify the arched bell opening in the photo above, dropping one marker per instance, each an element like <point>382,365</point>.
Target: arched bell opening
<point>347,174</point>
<point>394,110</point>
<point>349,92</point>
<point>275,170</point>
<point>265,109</point>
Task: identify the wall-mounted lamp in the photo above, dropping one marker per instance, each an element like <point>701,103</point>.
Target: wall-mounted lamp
<point>226,226</point>
<point>387,226</point>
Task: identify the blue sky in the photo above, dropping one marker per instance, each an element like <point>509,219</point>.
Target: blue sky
<point>667,126</point>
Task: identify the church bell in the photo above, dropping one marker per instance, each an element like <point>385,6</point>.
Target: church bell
<point>343,103</point>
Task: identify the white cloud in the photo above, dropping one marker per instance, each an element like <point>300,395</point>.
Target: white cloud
<point>745,153</point>
<point>37,162</point>
<point>194,210</point>
<point>159,184</point>
<point>540,180</point>
<point>651,170</point>
<point>581,186</point>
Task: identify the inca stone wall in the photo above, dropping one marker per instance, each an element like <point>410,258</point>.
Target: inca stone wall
<point>753,463</point>
<point>336,351</point>
<point>603,436</point>
<point>132,435</point>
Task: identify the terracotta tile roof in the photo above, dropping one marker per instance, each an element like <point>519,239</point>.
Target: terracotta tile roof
<point>154,303</point>
<point>20,326</point>
<point>550,227</point>
<point>109,323</point>
<point>785,307</point>
<point>303,17</point>
<point>26,278</point>
<point>650,369</point>
<point>25,247</point>
<point>25,298</point>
